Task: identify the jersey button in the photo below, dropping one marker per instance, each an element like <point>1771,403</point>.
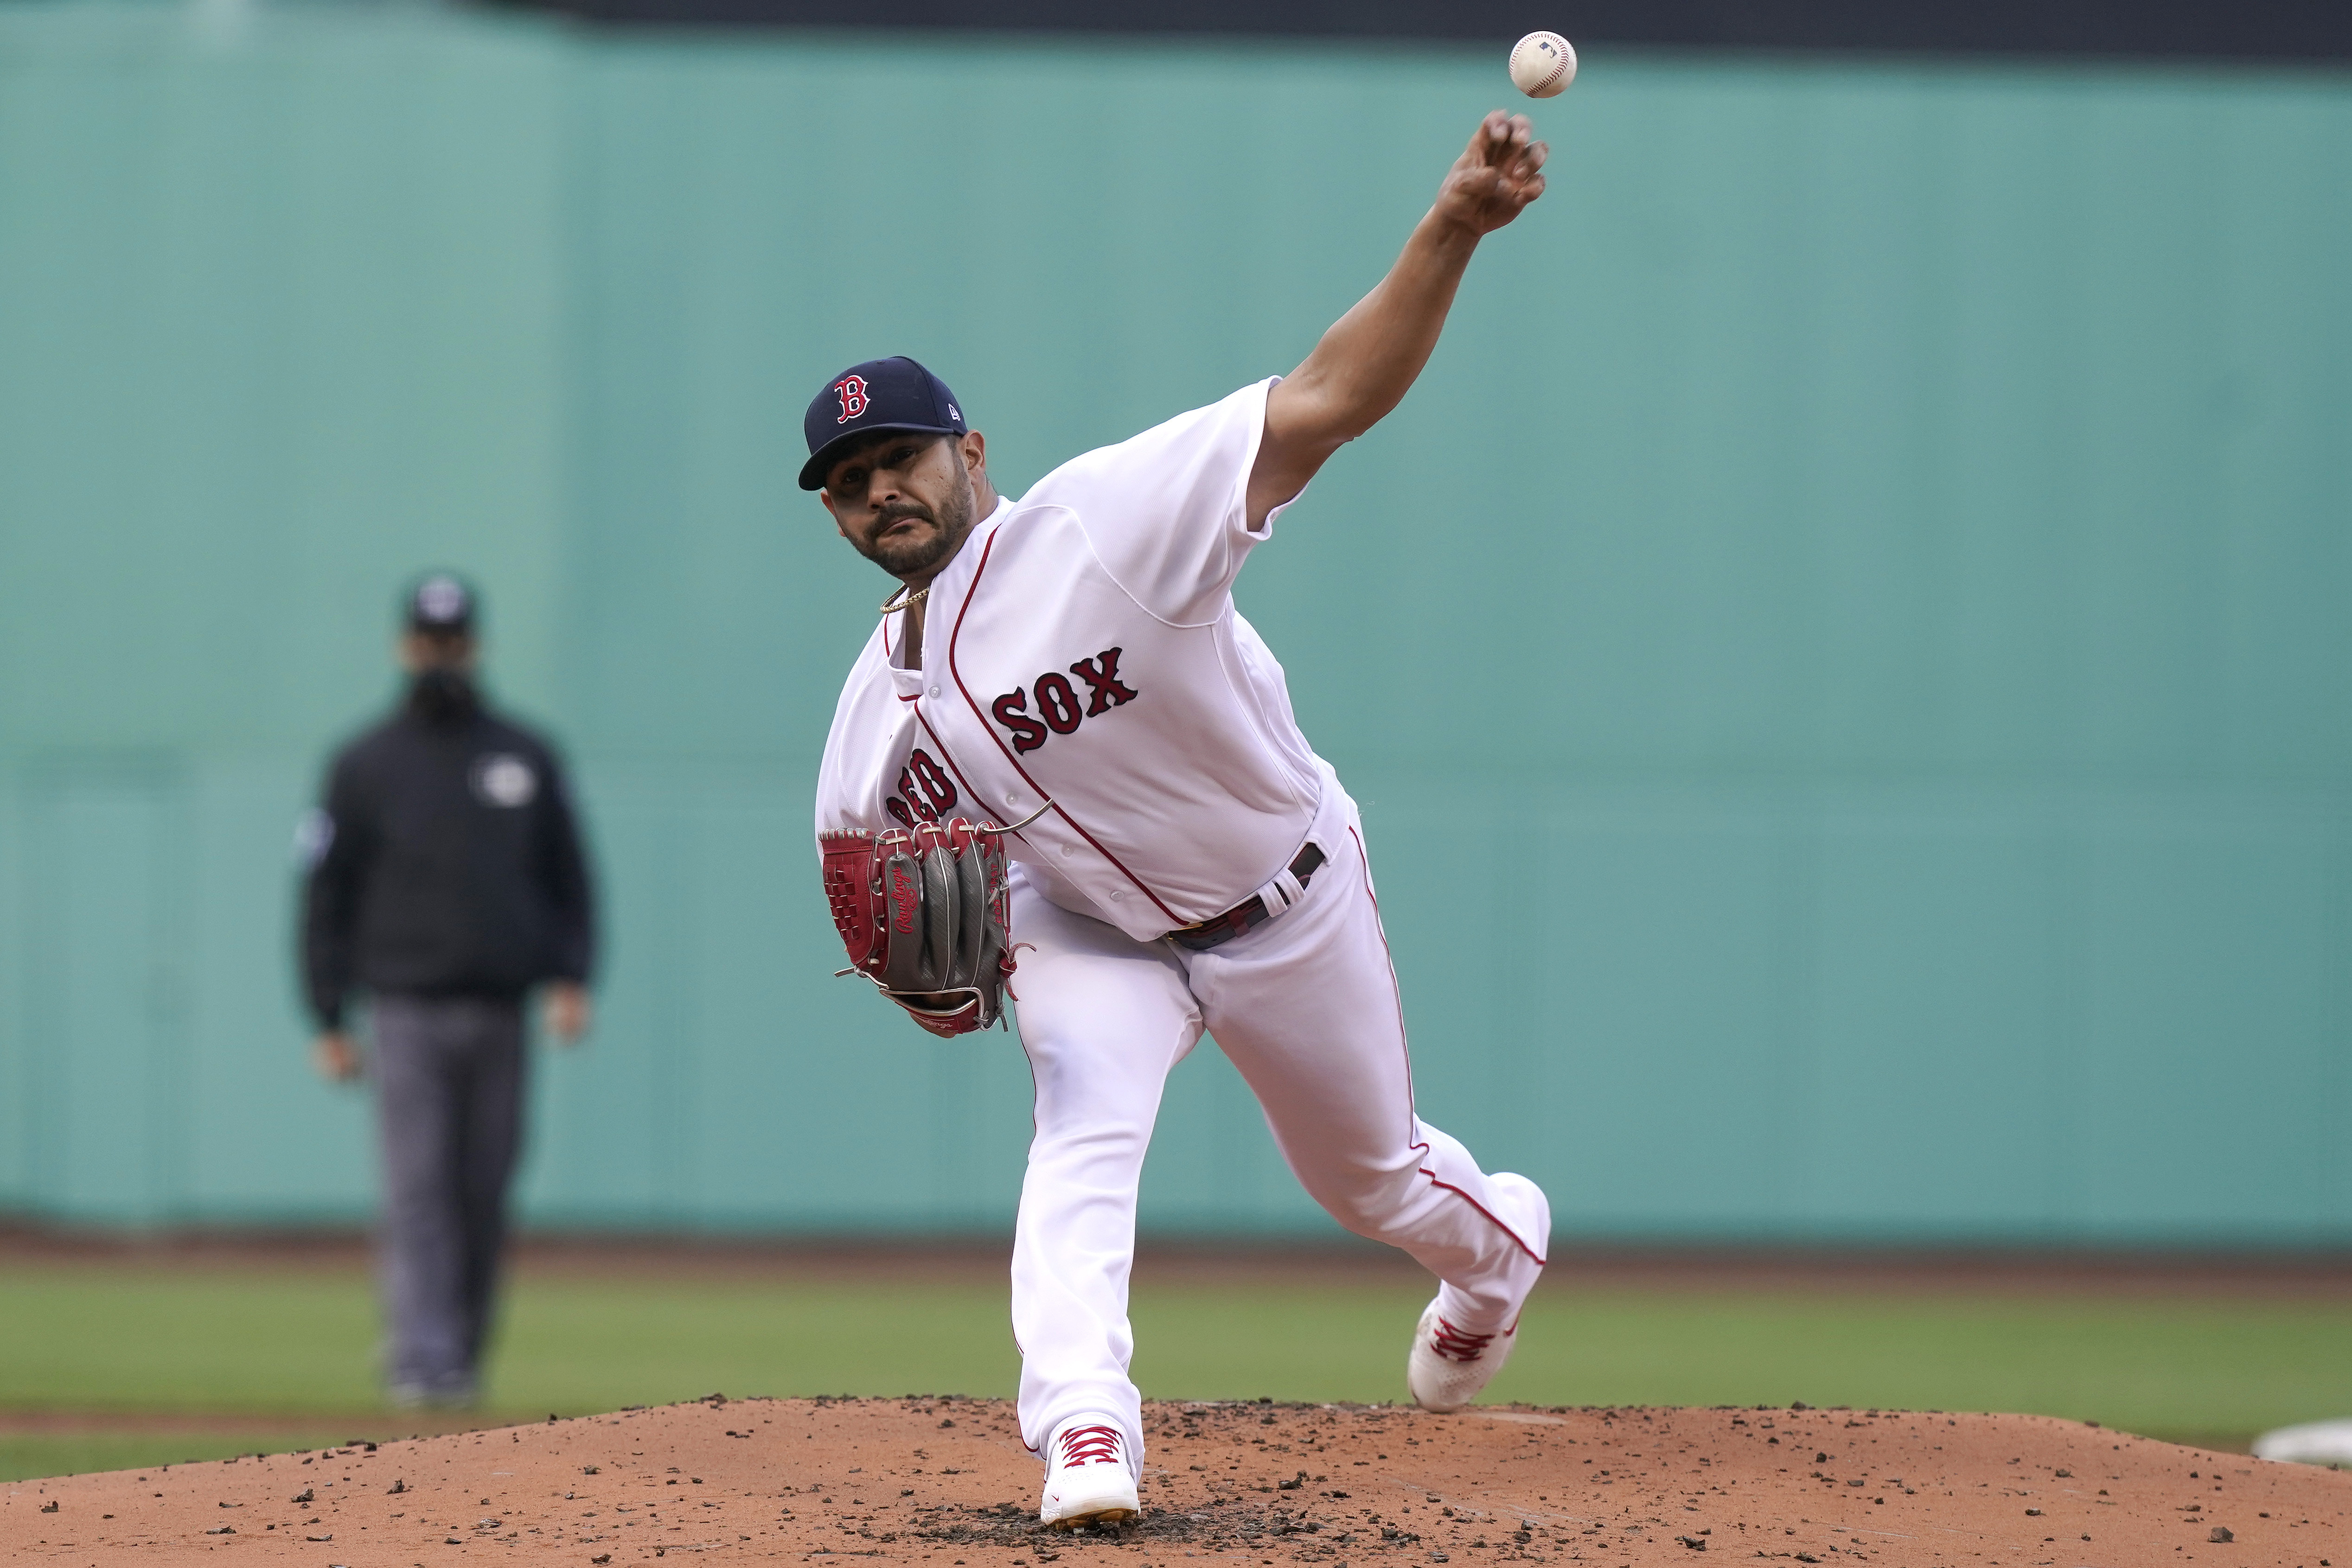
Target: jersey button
<point>1068,850</point>
<point>935,691</point>
<point>1116,893</point>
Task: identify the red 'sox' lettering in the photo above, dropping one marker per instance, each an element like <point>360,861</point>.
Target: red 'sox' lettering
<point>1028,734</point>
<point>1058,703</point>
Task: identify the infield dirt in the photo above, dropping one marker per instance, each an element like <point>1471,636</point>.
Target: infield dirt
<point>945,1481</point>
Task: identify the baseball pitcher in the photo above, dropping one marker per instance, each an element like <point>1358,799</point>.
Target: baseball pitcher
<point>1064,761</point>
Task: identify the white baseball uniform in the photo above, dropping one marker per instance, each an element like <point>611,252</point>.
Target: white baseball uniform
<point>1082,648</point>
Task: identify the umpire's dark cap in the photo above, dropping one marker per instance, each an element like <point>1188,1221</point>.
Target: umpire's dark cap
<point>881,394</point>
<point>440,602</point>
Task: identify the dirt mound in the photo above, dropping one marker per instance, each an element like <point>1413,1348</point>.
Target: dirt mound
<point>945,1481</point>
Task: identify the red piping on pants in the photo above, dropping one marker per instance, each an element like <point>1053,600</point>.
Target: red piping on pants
<point>1364,861</point>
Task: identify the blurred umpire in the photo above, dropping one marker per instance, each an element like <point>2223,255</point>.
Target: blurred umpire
<point>447,882</point>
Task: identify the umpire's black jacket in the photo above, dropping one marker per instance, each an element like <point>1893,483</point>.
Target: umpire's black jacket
<point>444,862</point>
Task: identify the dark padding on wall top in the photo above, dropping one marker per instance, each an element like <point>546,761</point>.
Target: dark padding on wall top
<point>2274,30</point>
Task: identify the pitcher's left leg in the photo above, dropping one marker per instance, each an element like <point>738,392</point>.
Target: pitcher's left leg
<point>1307,1008</point>
<point>1103,1018</point>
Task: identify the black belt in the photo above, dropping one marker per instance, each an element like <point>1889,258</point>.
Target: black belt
<point>1247,915</point>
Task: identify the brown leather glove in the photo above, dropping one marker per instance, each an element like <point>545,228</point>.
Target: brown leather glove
<point>926,916</point>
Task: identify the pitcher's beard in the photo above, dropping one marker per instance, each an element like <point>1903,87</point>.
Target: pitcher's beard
<point>911,558</point>
<point>924,555</point>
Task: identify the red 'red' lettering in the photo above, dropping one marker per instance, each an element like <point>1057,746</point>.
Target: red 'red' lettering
<point>937,788</point>
<point>1028,734</point>
<point>1103,682</point>
<point>1058,704</point>
<point>907,787</point>
<point>897,808</point>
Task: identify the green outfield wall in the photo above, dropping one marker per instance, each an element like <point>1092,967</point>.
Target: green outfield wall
<point>1846,656</point>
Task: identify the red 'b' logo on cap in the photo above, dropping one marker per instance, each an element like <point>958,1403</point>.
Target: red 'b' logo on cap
<point>852,391</point>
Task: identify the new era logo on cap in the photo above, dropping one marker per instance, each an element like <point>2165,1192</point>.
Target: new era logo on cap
<point>865,400</point>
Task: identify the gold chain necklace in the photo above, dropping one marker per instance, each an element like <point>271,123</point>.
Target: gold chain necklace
<point>895,602</point>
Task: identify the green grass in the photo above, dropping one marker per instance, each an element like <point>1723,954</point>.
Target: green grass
<point>275,1345</point>
<point>283,1359</point>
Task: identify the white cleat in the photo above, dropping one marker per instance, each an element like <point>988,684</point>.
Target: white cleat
<point>1087,1477</point>
<point>1447,1367</point>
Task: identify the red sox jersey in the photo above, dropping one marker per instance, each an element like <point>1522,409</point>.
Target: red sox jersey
<point>1082,654</point>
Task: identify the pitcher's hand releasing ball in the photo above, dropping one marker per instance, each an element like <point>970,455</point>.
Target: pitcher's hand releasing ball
<point>1543,65</point>
<point>1497,174</point>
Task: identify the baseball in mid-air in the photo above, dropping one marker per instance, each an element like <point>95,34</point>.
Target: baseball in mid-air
<point>1543,65</point>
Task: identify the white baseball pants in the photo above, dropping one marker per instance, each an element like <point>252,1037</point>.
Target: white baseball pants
<point>1306,1007</point>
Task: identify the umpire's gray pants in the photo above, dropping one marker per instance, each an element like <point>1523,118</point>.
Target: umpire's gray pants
<point>449,1089</point>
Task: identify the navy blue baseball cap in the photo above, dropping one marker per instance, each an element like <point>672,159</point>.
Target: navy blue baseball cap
<point>880,394</point>
<point>442,602</point>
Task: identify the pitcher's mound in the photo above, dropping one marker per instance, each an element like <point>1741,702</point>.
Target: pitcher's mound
<point>945,1481</point>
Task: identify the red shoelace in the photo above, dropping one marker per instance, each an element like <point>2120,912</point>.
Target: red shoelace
<point>1454,1345</point>
<point>1090,1446</point>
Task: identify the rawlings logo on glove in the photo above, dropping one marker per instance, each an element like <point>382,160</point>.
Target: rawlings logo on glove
<point>926,915</point>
